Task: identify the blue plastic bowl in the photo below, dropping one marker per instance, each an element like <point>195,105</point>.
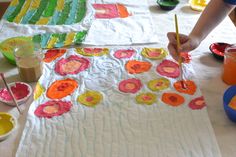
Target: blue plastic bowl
<point>228,95</point>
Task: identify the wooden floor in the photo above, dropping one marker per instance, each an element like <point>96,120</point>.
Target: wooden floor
<point>3,7</point>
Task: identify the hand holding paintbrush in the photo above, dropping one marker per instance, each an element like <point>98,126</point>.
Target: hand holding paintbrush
<point>180,60</point>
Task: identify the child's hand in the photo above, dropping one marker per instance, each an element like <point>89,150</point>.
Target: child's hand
<point>187,43</point>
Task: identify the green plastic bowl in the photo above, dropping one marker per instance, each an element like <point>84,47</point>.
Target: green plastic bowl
<point>8,46</point>
<point>167,4</point>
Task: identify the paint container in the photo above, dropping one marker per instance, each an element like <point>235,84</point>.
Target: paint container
<point>229,72</point>
<point>227,99</point>
<point>29,60</point>
<point>7,125</point>
<point>167,4</point>
<point>198,5</point>
<point>8,46</point>
<point>21,91</point>
<point>218,50</point>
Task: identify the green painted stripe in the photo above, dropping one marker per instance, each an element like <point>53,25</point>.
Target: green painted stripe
<point>39,12</point>
<point>12,16</point>
<point>48,12</point>
<point>61,40</point>
<point>54,18</point>
<point>8,12</point>
<point>26,18</point>
<point>81,11</point>
<point>80,36</point>
<point>64,14</point>
<point>73,12</point>
<point>55,35</point>
<point>62,37</point>
<point>37,38</point>
<point>45,38</point>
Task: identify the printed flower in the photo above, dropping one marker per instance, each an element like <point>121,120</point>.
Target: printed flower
<point>124,53</point>
<point>61,88</point>
<point>53,54</point>
<point>53,108</point>
<point>197,103</point>
<point>90,98</point>
<point>189,87</point>
<point>130,85</point>
<point>158,84</point>
<point>72,65</point>
<point>122,10</point>
<point>154,53</point>
<point>172,99</point>
<point>168,68</point>
<point>108,11</point>
<point>146,98</point>
<point>92,51</point>
<point>232,103</point>
<point>186,57</point>
<point>38,91</point>
<point>137,67</point>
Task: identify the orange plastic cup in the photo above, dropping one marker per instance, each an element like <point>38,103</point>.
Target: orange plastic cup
<point>229,72</point>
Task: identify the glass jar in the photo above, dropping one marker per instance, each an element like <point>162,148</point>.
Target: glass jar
<point>29,59</point>
<point>229,71</point>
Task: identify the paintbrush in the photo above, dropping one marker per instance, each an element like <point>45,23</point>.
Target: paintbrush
<point>178,53</point>
<point>9,90</point>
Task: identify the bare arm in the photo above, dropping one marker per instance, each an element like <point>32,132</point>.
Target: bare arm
<point>212,15</point>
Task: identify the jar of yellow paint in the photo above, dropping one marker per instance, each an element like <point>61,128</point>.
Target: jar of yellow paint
<point>198,5</point>
<point>7,125</point>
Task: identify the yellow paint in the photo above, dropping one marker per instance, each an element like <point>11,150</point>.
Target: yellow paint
<point>198,5</point>
<point>69,39</point>
<point>60,5</point>
<point>35,4</point>
<point>146,98</point>
<point>158,84</point>
<point>43,21</point>
<point>23,11</point>
<point>38,91</point>
<point>14,2</point>
<point>52,42</point>
<point>154,53</point>
<point>7,123</point>
<point>90,98</point>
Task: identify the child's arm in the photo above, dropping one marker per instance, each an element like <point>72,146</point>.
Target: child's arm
<point>212,15</point>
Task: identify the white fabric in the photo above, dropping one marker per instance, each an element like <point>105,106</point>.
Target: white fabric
<point>11,29</point>
<point>208,71</point>
<point>134,29</point>
<point>118,126</point>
